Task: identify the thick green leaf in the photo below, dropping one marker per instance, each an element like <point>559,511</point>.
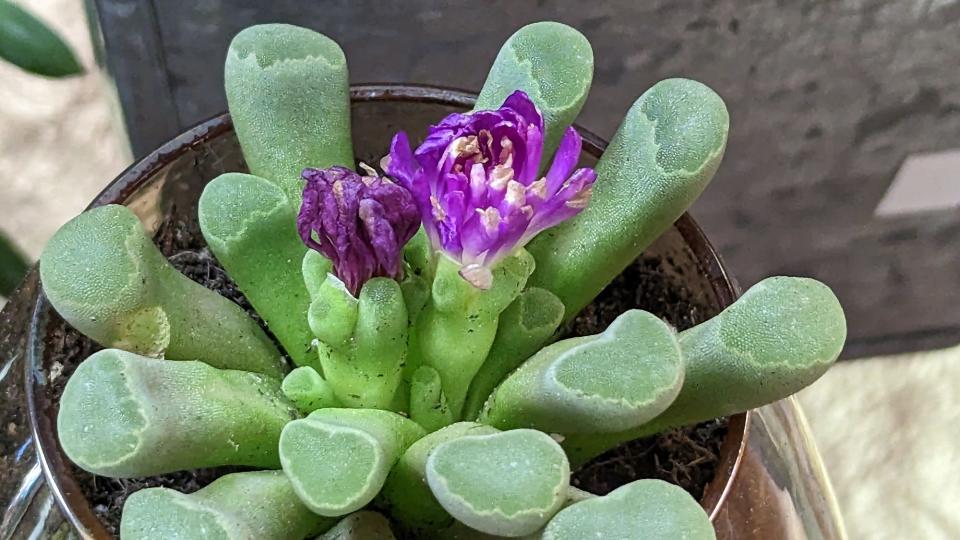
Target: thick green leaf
<point>553,64</point>
<point>609,382</point>
<point>507,484</point>
<point>251,228</point>
<point>257,505</point>
<point>13,266</point>
<point>29,44</point>
<point>663,155</point>
<point>125,415</point>
<point>289,97</point>
<point>103,274</point>
<point>338,459</point>
<point>641,510</point>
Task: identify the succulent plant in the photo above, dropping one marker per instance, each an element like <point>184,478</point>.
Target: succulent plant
<point>422,307</point>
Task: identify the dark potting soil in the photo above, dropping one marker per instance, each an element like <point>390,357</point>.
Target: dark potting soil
<point>687,456</point>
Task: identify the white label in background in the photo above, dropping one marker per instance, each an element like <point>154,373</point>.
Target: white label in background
<point>924,182</point>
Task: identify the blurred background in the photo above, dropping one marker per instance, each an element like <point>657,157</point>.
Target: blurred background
<point>843,164</point>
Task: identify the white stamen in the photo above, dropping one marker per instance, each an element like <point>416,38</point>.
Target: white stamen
<point>506,152</point>
<point>490,218</point>
<point>438,212</point>
<point>369,170</point>
<point>486,138</point>
<point>464,146</point>
<point>538,189</point>
<point>581,199</point>
<point>516,194</point>
<point>500,177</point>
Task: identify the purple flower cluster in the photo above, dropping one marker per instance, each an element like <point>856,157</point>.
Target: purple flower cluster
<point>361,223</point>
<point>476,181</point>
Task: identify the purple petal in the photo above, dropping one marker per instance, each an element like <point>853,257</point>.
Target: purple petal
<point>566,158</point>
<point>520,102</point>
<point>475,180</point>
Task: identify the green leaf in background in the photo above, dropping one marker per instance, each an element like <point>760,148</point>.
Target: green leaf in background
<point>12,264</point>
<point>29,44</point>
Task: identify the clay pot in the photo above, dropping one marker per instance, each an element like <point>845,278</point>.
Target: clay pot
<point>172,178</point>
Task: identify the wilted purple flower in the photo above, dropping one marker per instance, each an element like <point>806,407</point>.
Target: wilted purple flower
<point>360,223</point>
<point>476,181</point>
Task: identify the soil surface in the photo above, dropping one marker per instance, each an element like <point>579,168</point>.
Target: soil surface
<point>686,456</point>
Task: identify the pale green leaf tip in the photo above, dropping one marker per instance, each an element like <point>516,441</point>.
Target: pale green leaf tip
<point>690,123</point>
<point>507,484</point>
<point>641,510</point>
<point>232,202</point>
<point>786,321</point>
<point>274,43</point>
<point>335,469</point>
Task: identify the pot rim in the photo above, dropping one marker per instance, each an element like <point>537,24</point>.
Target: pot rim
<point>74,505</point>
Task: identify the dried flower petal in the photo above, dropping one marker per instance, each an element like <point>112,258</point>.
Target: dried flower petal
<point>360,223</point>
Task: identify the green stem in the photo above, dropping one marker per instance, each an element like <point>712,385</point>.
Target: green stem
<point>455,331</point>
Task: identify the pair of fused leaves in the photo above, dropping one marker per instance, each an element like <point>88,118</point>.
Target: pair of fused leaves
<point>362,341</point>
<point>638,378</point>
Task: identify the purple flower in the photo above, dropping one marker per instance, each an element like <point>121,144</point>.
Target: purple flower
<point>360,223</point>
<point>475,179</point>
